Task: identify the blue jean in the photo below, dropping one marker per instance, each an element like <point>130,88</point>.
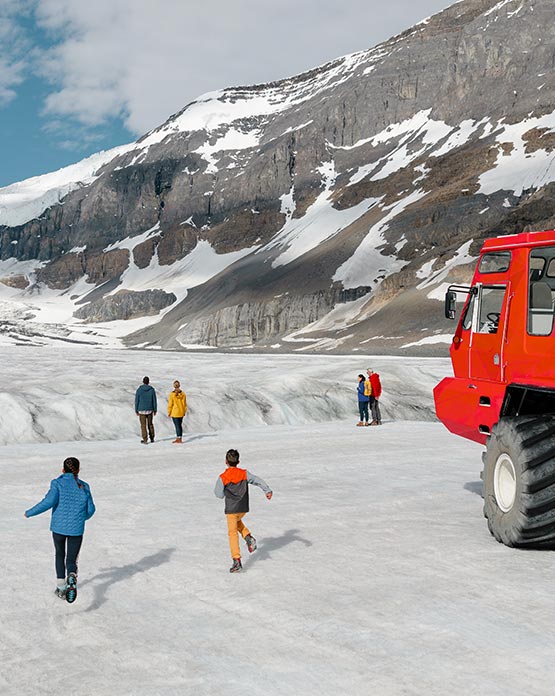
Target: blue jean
<point>178,423</point>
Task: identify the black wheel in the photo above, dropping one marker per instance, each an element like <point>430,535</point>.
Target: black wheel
<point>519,481</point>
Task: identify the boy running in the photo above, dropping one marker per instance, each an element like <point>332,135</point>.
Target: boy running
<point>233,486</point>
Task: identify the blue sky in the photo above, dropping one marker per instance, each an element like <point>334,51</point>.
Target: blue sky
<point>79,76</point>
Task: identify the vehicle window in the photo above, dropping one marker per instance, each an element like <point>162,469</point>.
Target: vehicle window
<point>490,309</point>
<point>468,313</point>
<point>537,264</point>
<point>495,262</point>
<point>541,292</point>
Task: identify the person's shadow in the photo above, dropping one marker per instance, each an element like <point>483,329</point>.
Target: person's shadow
<point>265,548</point>
<point>187,439</point>
<point>109,576</point>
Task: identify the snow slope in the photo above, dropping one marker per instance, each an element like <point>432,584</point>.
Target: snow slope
<point>93,396</point>
<point>25,200</point>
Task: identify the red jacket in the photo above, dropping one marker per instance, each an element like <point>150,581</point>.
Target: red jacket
<point>376,385</point>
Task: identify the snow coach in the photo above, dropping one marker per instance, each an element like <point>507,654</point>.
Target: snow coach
<point>503,390</point>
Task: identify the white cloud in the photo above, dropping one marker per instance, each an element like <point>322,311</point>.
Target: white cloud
<point>143,60</point>
<point>13,46</point>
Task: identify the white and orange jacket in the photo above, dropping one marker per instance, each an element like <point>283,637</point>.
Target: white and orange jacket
<point>233,485</point>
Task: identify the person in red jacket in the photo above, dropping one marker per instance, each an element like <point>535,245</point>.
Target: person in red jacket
<point>374,378</point>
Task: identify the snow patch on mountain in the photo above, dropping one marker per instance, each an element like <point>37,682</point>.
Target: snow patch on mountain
<point>26,200</point>
<point>201,264</point>
<point>518,169</point>
<point>495,9</point>
<point>13,267</point>
<point>220,108</point>
<point>460,258</point>
<point>320,222</point>
<point>430,340</point>
<point>368,266</point>
<point>131,242</point>
<point>232,140</point>
<point>413,138</point>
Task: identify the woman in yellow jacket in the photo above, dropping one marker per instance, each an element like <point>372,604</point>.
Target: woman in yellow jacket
<point>177,408</point>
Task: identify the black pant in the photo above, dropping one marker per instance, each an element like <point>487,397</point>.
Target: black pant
<point>66,561</point>
<point>178,423</point>
<point>363,410</point>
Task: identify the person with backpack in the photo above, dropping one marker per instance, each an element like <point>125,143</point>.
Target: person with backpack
<point>177,408</point>
<point>233,485</point>
<point>72,505</point>
<point>145,408</point>
<point>376,386</point>
<point>364,392</point>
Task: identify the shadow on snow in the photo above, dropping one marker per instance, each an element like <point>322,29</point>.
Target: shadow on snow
<point>265,548</point>
<point>109,576</point>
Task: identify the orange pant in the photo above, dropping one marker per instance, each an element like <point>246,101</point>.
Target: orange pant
<point>235,526</point>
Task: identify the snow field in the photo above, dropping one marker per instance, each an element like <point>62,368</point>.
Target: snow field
<point>375,572</point>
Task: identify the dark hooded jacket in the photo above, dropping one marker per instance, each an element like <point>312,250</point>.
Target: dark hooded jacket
<point>145,398</point>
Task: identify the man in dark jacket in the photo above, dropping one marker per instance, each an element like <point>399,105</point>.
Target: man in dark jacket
<point>145,408</point>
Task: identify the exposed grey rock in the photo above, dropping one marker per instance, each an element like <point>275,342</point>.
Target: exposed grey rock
<point>255,322</point>
<point>126,305</point>
<point>15,281</point>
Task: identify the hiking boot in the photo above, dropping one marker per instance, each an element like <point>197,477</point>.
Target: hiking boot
<point>60,592</point>
<point>152,439</point>
<point>71,591</point>
<point>177,441</point>
<point>251,543</point>
<point>374,422</point>
<point>360,423</point>
<point>144,442</point>
<point>237,566</point>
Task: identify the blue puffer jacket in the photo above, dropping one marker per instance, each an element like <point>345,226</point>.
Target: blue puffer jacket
<point>71,506</point>
<point>361,398</point>
<point>145,398</point>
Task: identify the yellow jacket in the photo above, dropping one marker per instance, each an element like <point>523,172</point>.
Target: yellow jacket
<point>177,404</point>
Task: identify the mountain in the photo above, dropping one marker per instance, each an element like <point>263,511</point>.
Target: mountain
<point>326,211</point>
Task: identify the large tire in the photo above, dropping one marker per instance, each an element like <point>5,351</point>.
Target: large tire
<point>519,481</point>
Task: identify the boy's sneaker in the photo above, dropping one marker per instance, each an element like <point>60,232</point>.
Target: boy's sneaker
<point>237,566</point>
<point>251,543</point>
<point>71,591</point>
<point>60,592</point>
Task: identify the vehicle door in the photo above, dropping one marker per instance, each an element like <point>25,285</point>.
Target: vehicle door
<point>488,331</point>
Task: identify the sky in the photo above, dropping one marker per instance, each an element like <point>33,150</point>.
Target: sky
<point>77,77</point>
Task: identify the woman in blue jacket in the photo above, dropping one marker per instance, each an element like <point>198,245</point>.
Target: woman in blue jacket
<point>363,402</point>
<point>72,504</point>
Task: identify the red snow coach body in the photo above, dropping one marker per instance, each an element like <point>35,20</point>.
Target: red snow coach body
<point>503,390</point>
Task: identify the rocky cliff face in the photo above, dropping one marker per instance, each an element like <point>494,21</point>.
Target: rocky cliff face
<point>259,209</point>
